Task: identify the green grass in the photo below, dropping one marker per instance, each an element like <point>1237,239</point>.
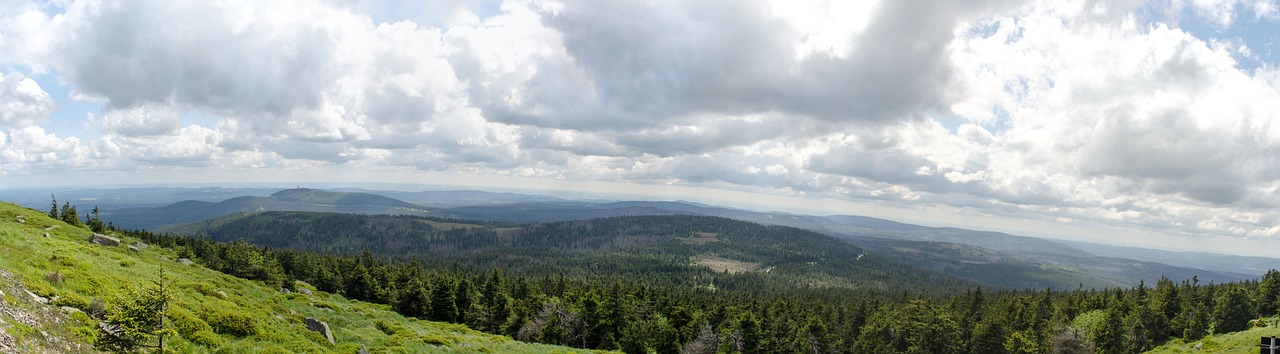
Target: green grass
<point>250,318</point>
<point>1235,342</point>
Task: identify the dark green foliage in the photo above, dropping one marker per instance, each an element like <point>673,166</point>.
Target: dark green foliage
<point>627,284</point>
<point>233,323</point>
<point>1232,310</point>
<point>1268,298</point>
<point>138,318</point>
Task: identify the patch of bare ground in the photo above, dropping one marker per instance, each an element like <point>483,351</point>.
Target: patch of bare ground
<point>721,264</point>
<point>701,238</point>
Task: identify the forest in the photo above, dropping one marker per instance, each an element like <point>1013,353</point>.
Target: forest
<point>626,283</point>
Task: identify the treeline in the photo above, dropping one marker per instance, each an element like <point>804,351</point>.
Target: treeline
<point>751,312</point>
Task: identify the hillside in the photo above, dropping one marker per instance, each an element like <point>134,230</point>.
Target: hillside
<point>210,311</point>
<point>299,199</point>
<point>680,246</point>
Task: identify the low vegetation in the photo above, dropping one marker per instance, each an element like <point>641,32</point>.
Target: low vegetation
<point>205,310</point>
<point>627,283</point>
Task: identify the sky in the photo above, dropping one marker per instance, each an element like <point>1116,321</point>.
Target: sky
<point>1143,123</point>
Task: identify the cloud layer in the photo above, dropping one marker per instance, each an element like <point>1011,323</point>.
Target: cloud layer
<point>1109,114</point>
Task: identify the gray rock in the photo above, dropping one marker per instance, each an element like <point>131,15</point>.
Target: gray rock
<point>285,291</point>
<point>363,350</point>
<point>304,291</point>
<point>104,240</point>
<point>69,309</point>
<point>133,248</point>
<point>185,261</point>
<point>319,326</point>
<point>46,235</point>
<point>38,298</point>
<point>221,294</point>
<point>162,257</point>
<point>140,245</point>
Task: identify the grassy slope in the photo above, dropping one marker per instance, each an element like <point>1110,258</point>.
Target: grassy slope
<point>91,271</point>
<point>1234,342</point>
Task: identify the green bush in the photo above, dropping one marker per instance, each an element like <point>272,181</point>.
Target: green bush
<point>127,262</point>
<point>41,287</point>
<point>206,338</point>
<point>233,323</point>
<point>85,327</point>
<point>72,300</point>
<point>203,288</point>
<point>436,340</point>
<point>186,322</point>
<point>390,329</point>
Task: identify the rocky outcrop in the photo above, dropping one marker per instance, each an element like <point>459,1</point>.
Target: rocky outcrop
<point>184,261</point>
<point>104,240</point>
<point>319,326</point>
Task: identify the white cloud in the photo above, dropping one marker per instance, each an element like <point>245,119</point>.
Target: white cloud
<point>22,102</point>
<point>1096,113</point>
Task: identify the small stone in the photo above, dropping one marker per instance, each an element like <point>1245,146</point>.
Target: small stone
<point>363,350</point>
<point>162,257</point>
<point>38,298</point>
<point>184,261</point>
<point>104,240</point>
<point>46,235</point>
<point>286,291</point>
<point>319,326</point>
<point>304,291</point>
<point>140,245</point>
<point>221,294</point>
<point>69,309</point>
<point>134,248</point>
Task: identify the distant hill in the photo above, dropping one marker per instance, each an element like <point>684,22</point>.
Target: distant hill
<point>685,246</point>
<point>300,199</point>
<point>992,258</point>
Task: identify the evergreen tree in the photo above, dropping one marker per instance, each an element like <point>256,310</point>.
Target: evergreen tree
<point>1109,334</point>
<point>444,306</point>
<point>1269,294</point>
<point>1232,310</point>
<point>138,320</point>
<point>95,223</point>
<point>53,210</point>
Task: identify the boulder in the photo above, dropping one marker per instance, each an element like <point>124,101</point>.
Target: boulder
<point>140,245</point>
<point>285,291</point>
<point>134,248</point>
<point>104,240</point>
<point>304,291</point>
<point>184,261</point>
<point>363,350</point>
<point>38,298</point>
<point>221,294</point>
<point>319,326</point>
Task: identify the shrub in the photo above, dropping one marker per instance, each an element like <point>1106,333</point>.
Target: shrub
<point>186,322</point>
<point>233,323</point>
<point>72,300</point>
<point>127,262</point>
<point>203,288</point>
<point>42,288</point>
<point>54,278</point>
<point>390,329</point>
<point>206,338</point>
<point>97,308</point>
